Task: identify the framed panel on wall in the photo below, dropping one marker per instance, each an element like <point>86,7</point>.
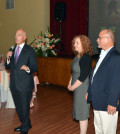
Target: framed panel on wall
<point>10,4</point>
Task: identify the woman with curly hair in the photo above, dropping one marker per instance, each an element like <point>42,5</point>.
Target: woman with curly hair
<point>79,81</point>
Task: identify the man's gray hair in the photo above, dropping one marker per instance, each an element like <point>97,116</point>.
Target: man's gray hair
<point>110,34</point>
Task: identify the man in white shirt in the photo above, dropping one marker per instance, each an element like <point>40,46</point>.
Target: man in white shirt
<point>104,88</point>
<point>22,63</point>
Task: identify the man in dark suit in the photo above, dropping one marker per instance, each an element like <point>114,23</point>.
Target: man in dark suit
<point>104,88</point>
<point>22,63</point>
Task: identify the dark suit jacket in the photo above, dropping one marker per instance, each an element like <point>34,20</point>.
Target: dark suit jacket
<point>20,79</point>
<point>105,88</point>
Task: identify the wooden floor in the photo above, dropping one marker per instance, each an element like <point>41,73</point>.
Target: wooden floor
<point>52,114</point>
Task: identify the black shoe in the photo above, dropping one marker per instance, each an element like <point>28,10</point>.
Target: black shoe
<point>22,132</point>
<point>18,129</point>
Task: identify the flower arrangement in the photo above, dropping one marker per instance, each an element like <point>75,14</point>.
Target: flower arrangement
<point>45,43</point>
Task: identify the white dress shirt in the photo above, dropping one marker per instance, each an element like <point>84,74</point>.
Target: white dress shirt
<point>101,57</point>
<point>20,48</point>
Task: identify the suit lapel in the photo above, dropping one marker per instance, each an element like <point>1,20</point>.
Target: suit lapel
<point>103,62</point>
<point>106,57</point>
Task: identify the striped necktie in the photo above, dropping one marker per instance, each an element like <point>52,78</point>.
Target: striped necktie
<point>17,54</point>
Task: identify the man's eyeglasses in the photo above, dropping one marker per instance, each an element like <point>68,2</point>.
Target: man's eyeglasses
<point>101,37</point>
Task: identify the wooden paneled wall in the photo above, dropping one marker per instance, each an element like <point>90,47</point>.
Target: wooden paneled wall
<point>54,70</point>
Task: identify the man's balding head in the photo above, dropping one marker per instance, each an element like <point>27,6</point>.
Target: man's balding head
<point>20,36</point>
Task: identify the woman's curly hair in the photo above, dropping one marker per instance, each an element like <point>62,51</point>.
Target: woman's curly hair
<point>86,46</point>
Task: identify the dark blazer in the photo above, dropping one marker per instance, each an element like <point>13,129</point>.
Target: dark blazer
<point>105,88</point>
<point>20,78</point>
<point>22,83</point>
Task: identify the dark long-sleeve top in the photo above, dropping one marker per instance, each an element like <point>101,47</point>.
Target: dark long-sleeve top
<point>85,67</point>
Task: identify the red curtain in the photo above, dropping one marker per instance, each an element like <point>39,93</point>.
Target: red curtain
<point>74,24</point>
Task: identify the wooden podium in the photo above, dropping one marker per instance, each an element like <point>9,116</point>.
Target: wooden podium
<point>54,70</point>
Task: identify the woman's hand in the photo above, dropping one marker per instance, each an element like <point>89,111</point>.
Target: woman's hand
<point>70,88</point>
<point>86,96</point>
<point>69,85</point>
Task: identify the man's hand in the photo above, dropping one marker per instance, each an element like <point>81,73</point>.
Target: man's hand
<point>111,109</point>
<point>24,67</point>
<point>9,54</point>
